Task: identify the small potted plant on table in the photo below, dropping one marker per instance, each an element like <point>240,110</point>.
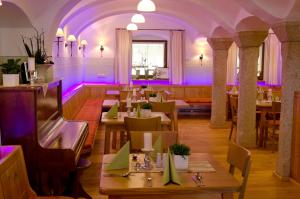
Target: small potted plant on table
<point>146,110</point>
<point>181,154</point>
<point>152,97</point>
<point>11,71</point>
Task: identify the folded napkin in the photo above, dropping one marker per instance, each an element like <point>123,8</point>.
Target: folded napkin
<point>113,112</point>
<point>157,147</point>
<point>170,173</point>
<point>121,159</point>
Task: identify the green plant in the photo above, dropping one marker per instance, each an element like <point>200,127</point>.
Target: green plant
<point>146,106</point>
<point>180,149</point>
<point>152,95</point>
<point>39,53</point>
<point>11,67</point>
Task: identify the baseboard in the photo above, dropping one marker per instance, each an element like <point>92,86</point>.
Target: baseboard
<point>281,178</point>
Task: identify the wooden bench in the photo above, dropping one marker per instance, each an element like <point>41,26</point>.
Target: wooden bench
<point>91,112</point>
<point>198,106</point>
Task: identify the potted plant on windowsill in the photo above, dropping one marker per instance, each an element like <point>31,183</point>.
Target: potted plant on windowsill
<point>146,110</point>
<point>181,154</point>
<point>11,71</point>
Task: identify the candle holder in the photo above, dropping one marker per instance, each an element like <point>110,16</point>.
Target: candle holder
<point>147,159</point>
<point>32,76</point>
<point>128,110</point>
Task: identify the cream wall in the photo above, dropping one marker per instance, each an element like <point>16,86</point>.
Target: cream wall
<point>97,69</point>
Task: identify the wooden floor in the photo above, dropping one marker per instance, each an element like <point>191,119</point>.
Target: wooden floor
<point>196,133</point>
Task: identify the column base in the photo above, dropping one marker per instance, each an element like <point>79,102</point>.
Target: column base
<point>219,126</point>
<point>282,178</point>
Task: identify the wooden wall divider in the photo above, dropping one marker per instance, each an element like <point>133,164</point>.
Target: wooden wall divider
<point>295,158</point>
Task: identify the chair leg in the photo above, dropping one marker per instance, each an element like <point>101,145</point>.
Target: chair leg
<point>231,130</point>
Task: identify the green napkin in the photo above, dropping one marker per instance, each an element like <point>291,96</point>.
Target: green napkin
<point>113,112</point>
<point>157,147</point>
<point>121,160</point>
<point>170,173</point>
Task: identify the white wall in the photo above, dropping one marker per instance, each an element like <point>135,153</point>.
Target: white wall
<point>101,69</point>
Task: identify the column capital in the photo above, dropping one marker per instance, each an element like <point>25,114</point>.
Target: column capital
<point>247,39</point>
<point>220,43</point>
<point>287,31</point>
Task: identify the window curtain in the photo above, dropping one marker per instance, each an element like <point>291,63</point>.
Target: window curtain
<point>176,54</point>
<point>272,61</point>
<point>232,64</point>
<point>123,56</point>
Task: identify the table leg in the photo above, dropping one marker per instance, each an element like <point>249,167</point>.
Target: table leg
<point>261,131</point>
<point>107,140</point>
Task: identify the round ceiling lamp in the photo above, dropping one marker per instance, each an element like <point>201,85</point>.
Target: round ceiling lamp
<point>138,18</point>
<point>132,26</point>
<point>146,6</point>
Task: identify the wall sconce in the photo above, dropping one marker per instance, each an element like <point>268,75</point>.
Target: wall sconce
<point>59,34</point>
<point>71,39</point>
<point>0,2</point>
<point>201,58</point>
<point>101,50</point>
<point>82,46</point>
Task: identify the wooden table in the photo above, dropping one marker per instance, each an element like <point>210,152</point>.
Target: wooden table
<point>264,107</point>
<point>135,186</point>
<point>114,125</point>
<point>178,103</point>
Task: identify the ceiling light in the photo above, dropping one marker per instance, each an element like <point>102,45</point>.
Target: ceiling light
<point>146,6</point>
<point>71,38</point>
<point>132,26</point>
<point>60,33</point>
<point>138,18</point>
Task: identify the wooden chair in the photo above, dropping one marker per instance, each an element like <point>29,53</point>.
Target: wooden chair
<point>142,124</point>
<point>136,139</point>
<point>13,175</point>
<point>240,158</point>
<point>272,123</point>
<point>169,109</point>
<point>233,100</point>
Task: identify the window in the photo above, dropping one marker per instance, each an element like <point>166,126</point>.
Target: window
<point>260,63</point>
<point>149,60</point>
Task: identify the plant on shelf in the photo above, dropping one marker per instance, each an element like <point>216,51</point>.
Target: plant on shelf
<point>11,67</point>
<point>180,153</point>
<point>147,106</point>
<point>39,53</point>
<point>11,71</point>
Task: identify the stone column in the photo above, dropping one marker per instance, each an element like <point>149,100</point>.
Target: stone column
<point>220,48</point>
<point>248,43</point>
<point>289,35</point>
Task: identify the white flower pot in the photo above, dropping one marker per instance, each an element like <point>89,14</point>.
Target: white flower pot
<point>181,162</point>
<point>145,113</point>
<point>11,79</point>
<point>152,99</point>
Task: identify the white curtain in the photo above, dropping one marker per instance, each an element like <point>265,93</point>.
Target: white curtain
<point>123,56</point>
<point>272,61</point>
<point>177,57</point>
<point>232,64</point>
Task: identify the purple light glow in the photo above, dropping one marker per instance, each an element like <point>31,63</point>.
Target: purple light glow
<point>5,151</point>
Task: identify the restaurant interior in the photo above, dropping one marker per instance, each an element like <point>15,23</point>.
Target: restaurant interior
<point>121,99</point>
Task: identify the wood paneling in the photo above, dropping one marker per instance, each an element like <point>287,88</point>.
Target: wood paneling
<point>73,105</point>
<point>295,161</point>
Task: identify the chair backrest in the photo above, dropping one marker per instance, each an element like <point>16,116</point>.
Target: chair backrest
<point>13,174</point>
<point>169,109</point>
<point>233,105</point>
<point>240,158</point>
<point>142,124</point>
<point>136,139</point>
<point>276,106</point>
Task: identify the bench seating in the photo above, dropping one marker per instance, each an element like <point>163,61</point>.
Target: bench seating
<point>198,106</point>
<point>91,112</point>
